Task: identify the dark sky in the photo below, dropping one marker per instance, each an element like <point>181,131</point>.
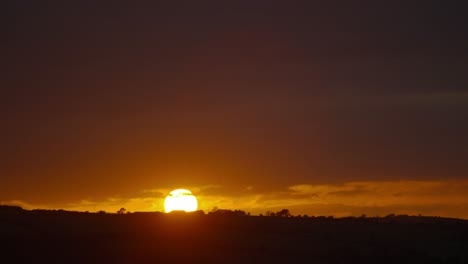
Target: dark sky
<point>104,99</point>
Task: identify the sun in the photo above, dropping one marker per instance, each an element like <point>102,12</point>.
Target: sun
<point>180,200</point>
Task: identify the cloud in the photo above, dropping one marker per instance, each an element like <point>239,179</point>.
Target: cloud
<point>22,204</point>
<point>387,193</point>
<point>440,198</point>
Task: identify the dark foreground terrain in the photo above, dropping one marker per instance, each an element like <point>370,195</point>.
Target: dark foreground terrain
<point>70,237</point>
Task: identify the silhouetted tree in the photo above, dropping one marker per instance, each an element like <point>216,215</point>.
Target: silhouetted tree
<point>239,213</point>
<point>199,212</point>
<point>269,213</point>
<point>283,213</point>
<point>121,211</point>
<point>227,212</point>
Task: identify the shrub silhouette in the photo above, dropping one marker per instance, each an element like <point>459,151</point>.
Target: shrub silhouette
<point>225,212</point>
<point>283,213</point>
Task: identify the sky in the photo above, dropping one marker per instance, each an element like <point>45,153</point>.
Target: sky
<point>324,107</point>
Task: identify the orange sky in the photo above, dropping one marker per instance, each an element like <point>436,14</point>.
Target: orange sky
<point>435,198</point>
<point>328,108</point>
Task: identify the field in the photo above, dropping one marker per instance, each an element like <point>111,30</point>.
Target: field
<point>72,237</point>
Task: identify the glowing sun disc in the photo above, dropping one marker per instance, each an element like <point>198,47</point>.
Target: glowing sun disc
<point>180,200</point>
